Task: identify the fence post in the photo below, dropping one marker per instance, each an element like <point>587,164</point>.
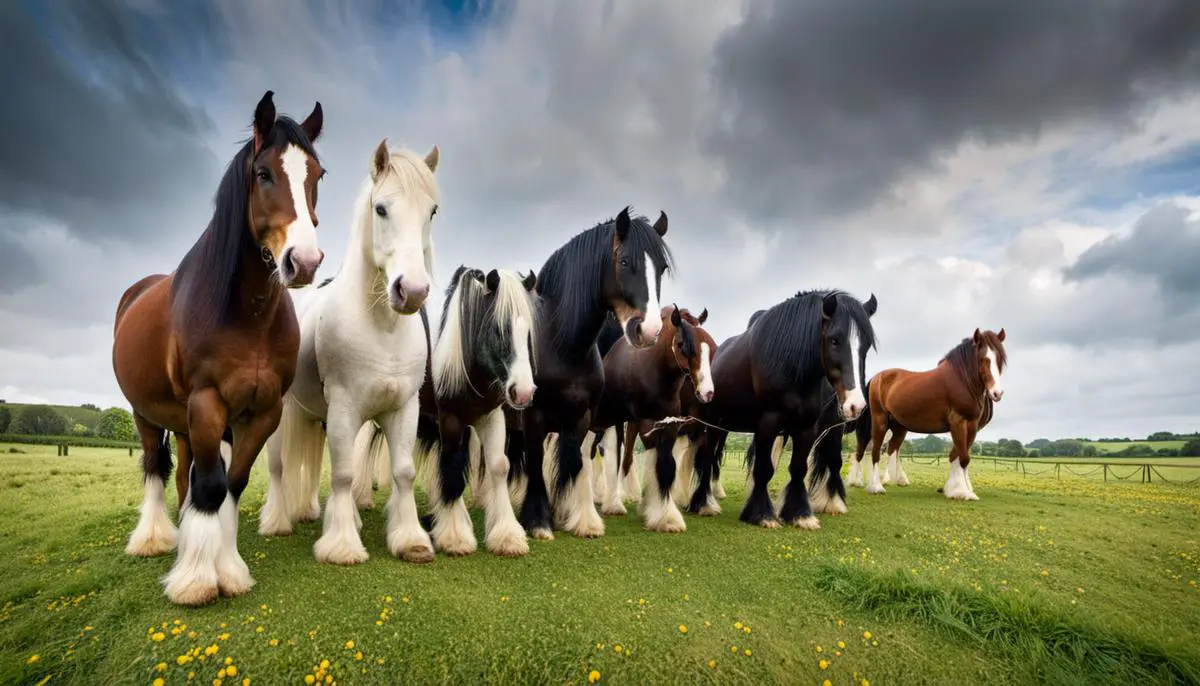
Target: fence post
<point>1106,473</point>
<point>1147,468</point>
<point>1057,468</point>
<point>131,452</point>
<point>66,450</point>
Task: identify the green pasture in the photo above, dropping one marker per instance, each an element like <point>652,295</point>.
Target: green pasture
<point>1110,447</point>
<point>1043,580</point>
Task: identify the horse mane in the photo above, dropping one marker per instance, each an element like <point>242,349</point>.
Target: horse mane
<point>961,359</point>
<point>209,275</point>
<point>466,317</point>
<point>570,280</point>
<point>788,336</point>
<point>687,334</point>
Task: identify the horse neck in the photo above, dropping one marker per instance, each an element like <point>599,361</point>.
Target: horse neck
<point>259,291</point>
<point>361,274</point>
<point>576,344</point>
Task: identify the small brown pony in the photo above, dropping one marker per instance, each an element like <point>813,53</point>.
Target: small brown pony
<point>647,384</point>
<point>213,347</point>
<point>956,396</point>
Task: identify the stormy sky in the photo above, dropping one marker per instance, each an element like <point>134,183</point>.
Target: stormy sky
<point>1022,164</point>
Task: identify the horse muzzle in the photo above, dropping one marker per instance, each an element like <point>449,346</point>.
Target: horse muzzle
<point>299,265</point>
<point>407,300</point>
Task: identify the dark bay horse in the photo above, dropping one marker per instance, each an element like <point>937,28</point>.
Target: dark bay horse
<point>645,384</point>
<point>616,267</point>
<point>213,346</point>
<point>956,396</point>
<point>772,379</point>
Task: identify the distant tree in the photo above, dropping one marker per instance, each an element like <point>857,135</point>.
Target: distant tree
<point>1007,447</point>
<point>39,420</point>
<point>1191,448</point>
<point>80,430</point>
<point>1136,450</point>
<point>976,448</point>
<point>1039,443</point>
<point>906,448</point>
<point>1167,452</point>
<point>989,448</point>
<point>116,424</point>
<point>5,418</point>
<point>1064,449</point>
<point>1162,436</point>
<point>89,406</point>
<point>931,445</point>
<point>1089,451</point>
<point>1034,453</point>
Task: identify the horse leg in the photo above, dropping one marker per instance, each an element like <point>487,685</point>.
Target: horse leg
<point>276,516</point>
<point>965,460</point>
<point>592,451</point>
<point>340,543</point>
<point>759,509</point>
<point>406,539</point>
<point>453,532</point>
<point>183,470</point>
<point>827,492</point>
<point>193,578</point>
<point>895,468</point>
<point>630,488</point>
<point>658,507</point>
<point>879,427</point>
<point>956,485</point>
<point>535,506</point>
<point>365,459</point>
<point>797,509</point>
<point>703,500</point>
<point>612,500</point>
<point>574,508</point>
<point>155,534</point>
<point>233,576</point>
<point>685,466</point>
<point>718,456</point>
<point>503,534</point>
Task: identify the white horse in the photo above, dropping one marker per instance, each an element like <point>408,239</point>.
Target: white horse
<point>362,358</point>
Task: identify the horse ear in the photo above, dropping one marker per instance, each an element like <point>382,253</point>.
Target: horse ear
<point>311,126</point>
<point>379,161</point>
<point>829,306</point>
<point>703,316</point>
<point>1001,335</point>
<point>623,225</point>
<point>530,281</point>
<point>493,281</point>
<point>977,337</point>
<point>264,120</point>
<point>871,305</point>
<point>431,160</point>
<point>660,226</point>
<point>676,319</point>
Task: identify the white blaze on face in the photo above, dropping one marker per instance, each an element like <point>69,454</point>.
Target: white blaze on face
<point>301,234</point>
<point>652,322</point>
<point>520,372</point>
<point>704,384</point>
<point>997,388</point>
<point>855,401</point>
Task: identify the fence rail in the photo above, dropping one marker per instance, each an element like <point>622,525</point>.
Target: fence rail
<point>1143,472</point>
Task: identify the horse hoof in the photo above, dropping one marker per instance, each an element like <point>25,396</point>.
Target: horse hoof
<point>769,523</point>
<point>541,533</point>
<point>614,510</point>
<point>192,594</point>
<point>419,554</point>
<point>810,523</point>
<point>709,511</point>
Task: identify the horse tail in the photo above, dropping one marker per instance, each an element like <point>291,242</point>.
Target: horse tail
<point>302,448</point>
<point>372,465</point>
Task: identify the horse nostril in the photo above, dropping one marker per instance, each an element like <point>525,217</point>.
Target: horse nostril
<point>398,289</point>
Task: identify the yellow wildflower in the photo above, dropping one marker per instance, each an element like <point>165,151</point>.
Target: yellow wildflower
<point>358,655</point>
<point>682,629</point>
<point>733,649</point>
<point>221,674</point>
<point>867,635</point>
<point>593,676</point>
<point>617,648</point>
<point>712,664</point>
<point>842,644</point>
<point>157,636</point>
<point>747,652</point>
<point>820,649</point>
<point>231,670</point>
<point>273,642</point>
<point>823,664</point>
<point>309,679</point>
<point>160,667</point>
<point>827,682</point>
<point>183,660</point>
<point>246,682</point>
<point>32,659</point>
<point>324,664</point>
<point>228,660</point>
<point>159,682</point>
<point>737,625</point>
<point>259,629</point>
<point>349,645</point>
<point>866,683</point>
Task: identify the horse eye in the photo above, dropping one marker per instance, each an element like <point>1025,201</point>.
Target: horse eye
<point>624,262</point>
<point>263,175</point>
<point>381,210</point>
<point>834,341</point>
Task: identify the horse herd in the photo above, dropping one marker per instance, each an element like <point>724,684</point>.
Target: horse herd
<point>528,380</point>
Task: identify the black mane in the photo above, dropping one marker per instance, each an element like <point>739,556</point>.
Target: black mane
<point>787,337</point>
<point>570,281</point>
<point>687,335</point>
<point>206,281</point>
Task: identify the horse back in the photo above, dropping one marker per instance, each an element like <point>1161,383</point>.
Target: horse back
<point>919,401</point>
<point>133,293</point>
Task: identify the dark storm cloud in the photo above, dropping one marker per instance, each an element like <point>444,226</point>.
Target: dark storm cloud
<point>91,134</point>
<point>1164,247</point>
<point>17,270</point>
<point>828,103</point>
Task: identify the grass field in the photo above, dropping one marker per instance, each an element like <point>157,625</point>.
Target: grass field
<point>78,415</point>
<point>1106,447</point>
<point>1041,581</point>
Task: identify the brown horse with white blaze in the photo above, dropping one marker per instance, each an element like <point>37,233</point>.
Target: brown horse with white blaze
<point>213,347</point>
<point>956,396</point>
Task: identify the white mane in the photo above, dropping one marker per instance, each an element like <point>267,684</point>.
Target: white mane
<point>450,370</point>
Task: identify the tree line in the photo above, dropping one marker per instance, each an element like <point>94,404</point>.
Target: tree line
<point>113,424</point>
<point>1044,447</point>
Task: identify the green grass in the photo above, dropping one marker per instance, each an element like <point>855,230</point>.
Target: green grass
<point>1042,580</point>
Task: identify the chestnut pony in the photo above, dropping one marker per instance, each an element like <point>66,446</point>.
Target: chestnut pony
<point>213,346</point>
<point>956,396</point>
<point>645,384</point>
